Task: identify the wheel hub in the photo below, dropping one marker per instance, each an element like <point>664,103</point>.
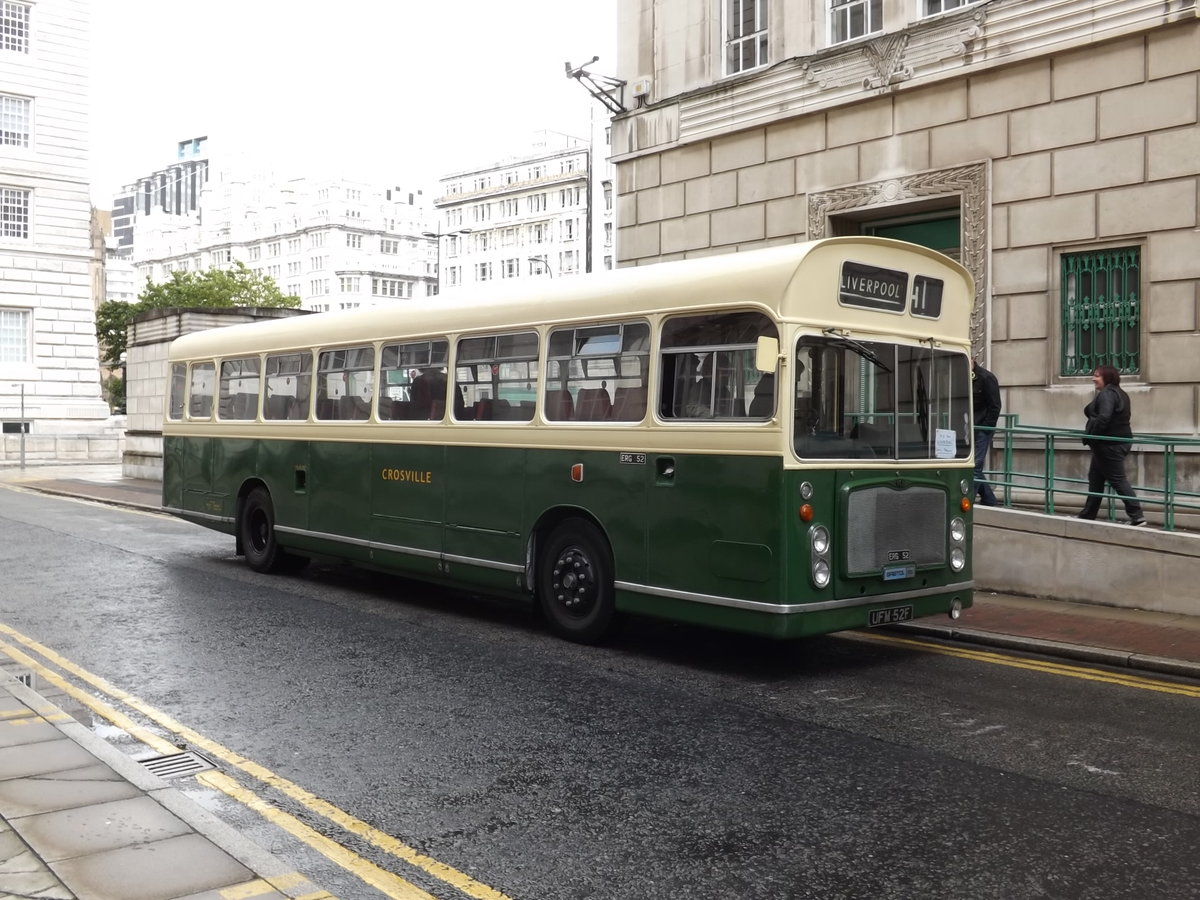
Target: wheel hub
<point>572,580</point>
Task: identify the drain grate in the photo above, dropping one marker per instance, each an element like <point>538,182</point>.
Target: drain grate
<point>176,765</point>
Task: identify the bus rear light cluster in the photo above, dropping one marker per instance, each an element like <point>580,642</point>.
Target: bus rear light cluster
<point>819,544</point>
<point>958,544</point>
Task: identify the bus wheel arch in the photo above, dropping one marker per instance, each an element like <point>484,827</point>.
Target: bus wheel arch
<point>573,575</point>
<point>255,532</point>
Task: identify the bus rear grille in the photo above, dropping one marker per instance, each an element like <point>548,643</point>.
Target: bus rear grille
<point>888,525</point>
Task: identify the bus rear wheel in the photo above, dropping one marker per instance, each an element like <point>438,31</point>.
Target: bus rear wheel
<point>257,524</point>
<point>575,582</point>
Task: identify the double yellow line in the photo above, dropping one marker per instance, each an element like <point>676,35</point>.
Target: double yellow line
<point>1036,665</point>
<point>388,883</point>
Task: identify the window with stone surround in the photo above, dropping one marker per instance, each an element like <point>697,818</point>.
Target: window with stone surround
<point>14,120</point>
<point>745,35</point>
<point>933,7</point>
<point>14,335</point>
<point>1101,310</point>
<point>851,19</point>
<point>14,27</point>
<point>14,213</point>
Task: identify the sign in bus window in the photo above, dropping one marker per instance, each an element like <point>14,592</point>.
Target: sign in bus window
<point>289,386</point>
<point>238,398</point>
<point>927,297</point>
<point>873,287</point>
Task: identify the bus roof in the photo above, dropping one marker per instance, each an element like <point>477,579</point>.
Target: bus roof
<point>795,282</point>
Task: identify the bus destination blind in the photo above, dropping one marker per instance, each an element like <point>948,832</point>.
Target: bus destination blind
<point>872,287</point>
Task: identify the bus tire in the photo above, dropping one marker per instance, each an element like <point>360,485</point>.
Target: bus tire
<point>257,532</point>
<point>575,582</point>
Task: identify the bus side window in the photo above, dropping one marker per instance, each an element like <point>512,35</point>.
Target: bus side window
<point>593,371</point>
<point>289,385</point>
<point>412,381</point>
<point>629,404</point>
<point>200,391</point>
<point>345,383</point>
<point>178,385</point>
<point>707,365</point>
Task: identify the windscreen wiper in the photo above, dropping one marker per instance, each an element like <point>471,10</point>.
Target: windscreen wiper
<point>840,340</point>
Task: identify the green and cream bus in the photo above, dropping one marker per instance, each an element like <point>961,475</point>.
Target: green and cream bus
<point>776,441</point>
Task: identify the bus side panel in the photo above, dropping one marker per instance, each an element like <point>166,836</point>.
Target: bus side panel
<point>485,514</point>
<point>408,483</point>
<point>339,486</point>
<point>197,465</point>
<point>283,467</point>
<point>612,492</point>
<point>173,455</point>
<point>233,460</point>
<point>715,526</point>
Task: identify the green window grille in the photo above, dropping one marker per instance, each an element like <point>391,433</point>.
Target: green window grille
<point>1101,311</point>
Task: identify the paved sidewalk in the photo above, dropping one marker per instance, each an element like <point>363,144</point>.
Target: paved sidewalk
<point>80,820</point>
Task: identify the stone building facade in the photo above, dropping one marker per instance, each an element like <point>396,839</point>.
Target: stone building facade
<point>50,401</point>
<point>1050,145</point>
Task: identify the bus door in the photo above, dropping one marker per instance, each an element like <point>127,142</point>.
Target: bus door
<point>485,512</point>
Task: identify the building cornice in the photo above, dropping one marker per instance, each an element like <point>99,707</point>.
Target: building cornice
<point>964,42</point>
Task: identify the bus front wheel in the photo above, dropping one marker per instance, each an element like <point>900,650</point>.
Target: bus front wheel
<point>575,582</point>
<point>263,553</point>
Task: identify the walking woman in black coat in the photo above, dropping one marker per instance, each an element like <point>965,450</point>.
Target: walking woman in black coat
<point>1108,416</point>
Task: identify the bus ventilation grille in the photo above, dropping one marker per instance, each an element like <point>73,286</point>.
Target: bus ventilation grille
<point>176,765</point>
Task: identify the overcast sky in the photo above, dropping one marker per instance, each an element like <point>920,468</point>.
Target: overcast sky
<point>402,91</point>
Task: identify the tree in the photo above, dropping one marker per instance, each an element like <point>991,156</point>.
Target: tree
<point>216,288</point>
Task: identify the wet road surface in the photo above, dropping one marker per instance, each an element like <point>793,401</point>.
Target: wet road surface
<point>674,762</point>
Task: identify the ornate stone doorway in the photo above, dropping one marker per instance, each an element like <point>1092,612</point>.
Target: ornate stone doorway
<point>926,197</point>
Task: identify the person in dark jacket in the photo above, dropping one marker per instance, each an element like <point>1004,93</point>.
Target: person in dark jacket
<point>986,401</point>
<point>1108,416</point>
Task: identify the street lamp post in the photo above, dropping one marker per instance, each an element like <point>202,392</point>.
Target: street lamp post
<point>22,424</point>
<point>437,236</point>
<point>545,264</point>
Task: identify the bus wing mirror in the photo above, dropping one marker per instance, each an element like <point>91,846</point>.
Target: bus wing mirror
<point>766,354</point>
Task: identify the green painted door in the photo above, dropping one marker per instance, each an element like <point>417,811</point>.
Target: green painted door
<point>942,234</point>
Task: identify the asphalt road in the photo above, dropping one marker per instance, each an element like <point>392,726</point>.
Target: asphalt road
<point>672,763</point>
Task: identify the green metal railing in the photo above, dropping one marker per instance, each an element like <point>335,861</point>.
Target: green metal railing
<point>1022,488</point>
